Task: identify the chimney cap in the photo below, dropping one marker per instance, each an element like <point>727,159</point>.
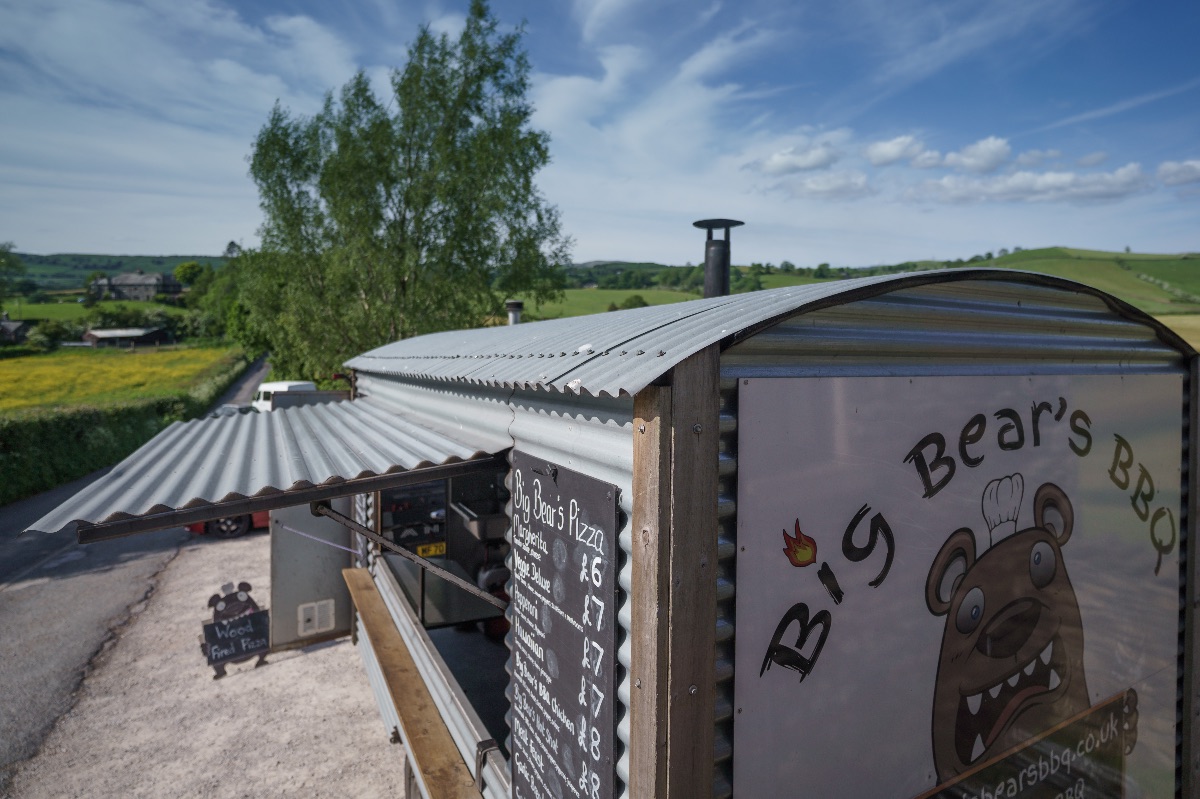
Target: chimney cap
<point>514,305</point>
<point>712,224</point>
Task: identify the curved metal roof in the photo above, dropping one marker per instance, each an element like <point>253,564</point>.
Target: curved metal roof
<point>232,465</point>
<point>622,352</point>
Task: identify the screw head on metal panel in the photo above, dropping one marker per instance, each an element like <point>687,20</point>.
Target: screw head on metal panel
<point>693,690</point>
<point>696,428</point>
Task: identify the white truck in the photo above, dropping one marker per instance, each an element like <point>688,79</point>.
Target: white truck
<point>262,397</point>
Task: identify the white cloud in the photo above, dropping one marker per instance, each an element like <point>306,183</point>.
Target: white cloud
<point>847,185</point>
<point>1031,158</point>
<point>927,159</point>
<point>1177,173</point>
<point>721,53</point>
<point>916,39</point>
<point>596,15</point>
<point>1093,159</point>
<point>1122,106</point>
<point>452,25</point>
<point>882,153</point>
<point>985,155</point>
<point>312,50</point>
<point>1036,187</point>
<point>793,159</point>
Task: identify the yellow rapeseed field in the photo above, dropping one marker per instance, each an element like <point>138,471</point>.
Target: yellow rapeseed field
<point>1186,325</point>
<point>97,377</point>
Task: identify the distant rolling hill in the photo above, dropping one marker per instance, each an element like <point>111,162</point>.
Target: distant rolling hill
<point>70,270</point>
<point>1158,284</point>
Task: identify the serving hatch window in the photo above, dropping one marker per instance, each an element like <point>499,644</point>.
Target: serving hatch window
<point>458,523</point>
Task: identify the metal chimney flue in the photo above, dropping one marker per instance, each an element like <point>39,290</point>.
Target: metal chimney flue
<point>716,256</point>
<point>514,307</point>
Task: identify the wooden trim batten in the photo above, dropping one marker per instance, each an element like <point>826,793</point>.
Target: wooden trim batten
<point>673,591</point>
<point>431,748</point>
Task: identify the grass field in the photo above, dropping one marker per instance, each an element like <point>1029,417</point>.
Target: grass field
<point>103,376</point>
<point>588,301</point>
<point>70,311</point>
<point>1102,270</point>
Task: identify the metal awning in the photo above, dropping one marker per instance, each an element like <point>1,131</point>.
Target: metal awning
<point>232,465</point>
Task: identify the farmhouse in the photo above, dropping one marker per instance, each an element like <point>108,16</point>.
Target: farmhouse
<point>12,332</point>
<point>137,285</point>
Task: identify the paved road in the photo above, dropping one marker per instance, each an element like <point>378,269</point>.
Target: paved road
<point>60,602</point>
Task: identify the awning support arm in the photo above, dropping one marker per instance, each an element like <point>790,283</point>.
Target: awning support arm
<point>322,508</point>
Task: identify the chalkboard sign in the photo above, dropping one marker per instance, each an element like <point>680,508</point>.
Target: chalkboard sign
<point>564,530</point>
<point>235,640</point>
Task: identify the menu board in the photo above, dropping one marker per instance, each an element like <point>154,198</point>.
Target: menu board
<point>564,567</point>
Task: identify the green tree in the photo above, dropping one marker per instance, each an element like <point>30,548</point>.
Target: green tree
<point>188,272</point>
<point>389,220</point>
<point>11,269</point>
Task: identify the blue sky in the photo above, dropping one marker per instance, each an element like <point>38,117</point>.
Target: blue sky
<point>856,132</point>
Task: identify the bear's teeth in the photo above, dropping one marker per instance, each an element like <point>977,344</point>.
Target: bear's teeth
<point>973,703</point>
<point>1030,667</point>
<point>977,749</point>
<point>994,691</point>
<point>1047,652</point>
<point>1013,679</point>
<point>1054,680</point>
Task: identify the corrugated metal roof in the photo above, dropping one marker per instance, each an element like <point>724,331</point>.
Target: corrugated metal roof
<point>622,352</point>
<point>121,332</point>
<point>232,465</point>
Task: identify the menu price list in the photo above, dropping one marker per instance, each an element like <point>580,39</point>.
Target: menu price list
<point>564,529</point>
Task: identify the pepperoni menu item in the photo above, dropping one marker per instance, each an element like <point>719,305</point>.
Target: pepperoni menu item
<point>564,567</point>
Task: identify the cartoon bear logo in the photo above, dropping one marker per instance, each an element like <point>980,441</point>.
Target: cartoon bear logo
<point>1011,662</point>
<point>233,605</point>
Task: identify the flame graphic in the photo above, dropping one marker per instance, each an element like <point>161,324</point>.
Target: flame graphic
<point>800,549</point>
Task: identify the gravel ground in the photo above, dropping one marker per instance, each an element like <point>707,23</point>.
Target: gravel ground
<point>150,721</point>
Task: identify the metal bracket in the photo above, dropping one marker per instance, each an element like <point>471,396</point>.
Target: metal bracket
<point>322,508</point>
<point>481,751</point>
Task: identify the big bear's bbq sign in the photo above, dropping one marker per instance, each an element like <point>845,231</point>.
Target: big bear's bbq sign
<point>957,587</point>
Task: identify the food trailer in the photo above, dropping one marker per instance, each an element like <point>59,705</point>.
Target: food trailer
<point>922,535</point>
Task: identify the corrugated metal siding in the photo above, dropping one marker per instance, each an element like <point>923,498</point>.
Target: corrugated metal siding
<point>944,329</point>
<point>620,353</point>
<point>971,328</point>
<point>206,461</point>
<point>726,576</point>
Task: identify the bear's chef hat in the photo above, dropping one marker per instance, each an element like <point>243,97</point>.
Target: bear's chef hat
<point>1001,504</point>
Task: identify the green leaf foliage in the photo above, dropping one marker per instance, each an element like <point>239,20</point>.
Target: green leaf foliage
<point>11,269</point>
<point>392,219</point>
<point>189,272</point>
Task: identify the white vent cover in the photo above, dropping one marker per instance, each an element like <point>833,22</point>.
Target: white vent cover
<point>314,617</point>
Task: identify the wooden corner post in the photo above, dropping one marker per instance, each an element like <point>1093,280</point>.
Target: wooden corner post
<point>673,593</point>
